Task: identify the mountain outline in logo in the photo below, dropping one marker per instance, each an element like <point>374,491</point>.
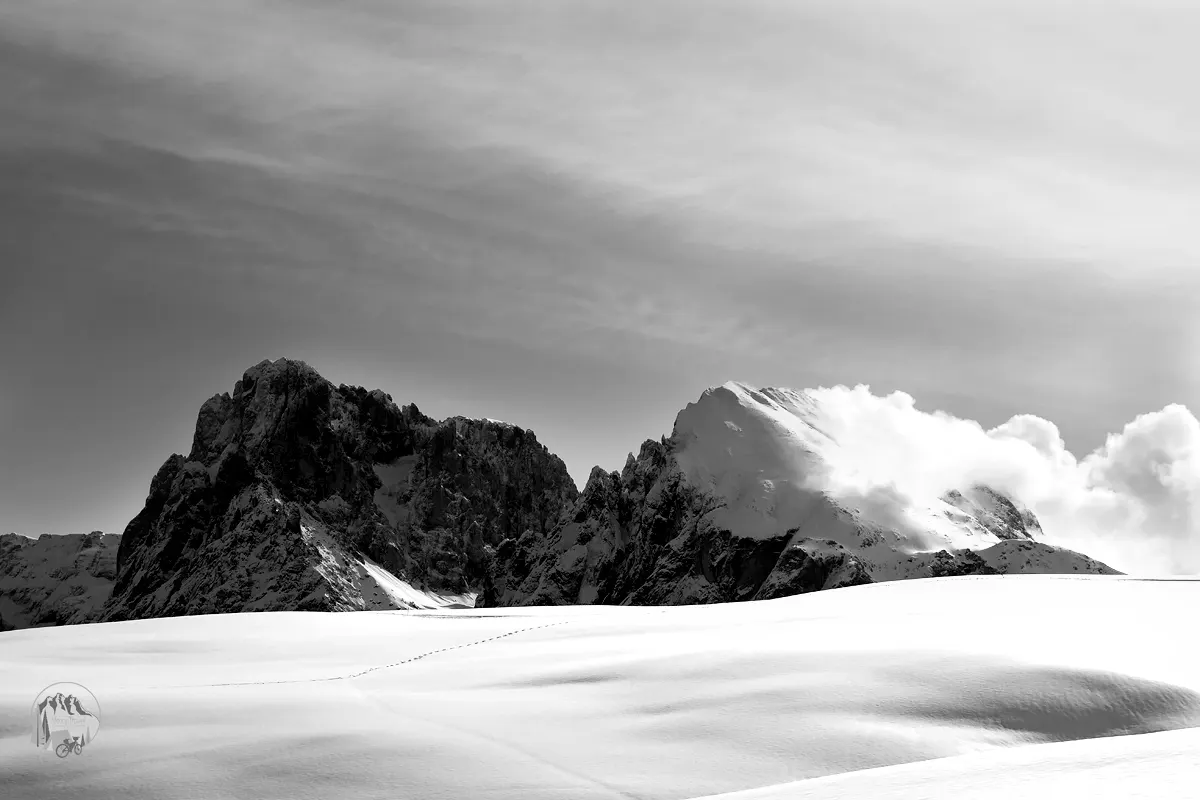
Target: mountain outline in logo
<point>66,718</point>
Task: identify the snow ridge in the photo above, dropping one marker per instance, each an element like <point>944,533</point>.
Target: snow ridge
<point>773,455</point>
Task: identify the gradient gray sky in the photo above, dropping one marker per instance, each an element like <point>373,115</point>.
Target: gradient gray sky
<point>578,215</point>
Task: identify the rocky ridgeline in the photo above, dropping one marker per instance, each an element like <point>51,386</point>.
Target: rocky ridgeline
<point>295,489</point>
<point>661,531</point>
<point>301,495</point>
<point>643,536</point>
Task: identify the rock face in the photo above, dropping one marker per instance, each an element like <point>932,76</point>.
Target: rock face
<point>645,536</point>
<point>301,495</point>
<point>730,507</point>
<point>298,494</point>
<point>986,509</point>
<point>55,580</point>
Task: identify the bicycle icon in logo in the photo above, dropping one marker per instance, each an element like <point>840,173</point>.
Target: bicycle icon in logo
<point>68,746</point>
<point>66,716</point>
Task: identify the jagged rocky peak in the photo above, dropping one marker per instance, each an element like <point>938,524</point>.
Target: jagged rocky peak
<point>300,494</point>
<point>741,502</point>
<point>284,416</point>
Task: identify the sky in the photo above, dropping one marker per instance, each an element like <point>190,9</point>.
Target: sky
<point>576,216</point>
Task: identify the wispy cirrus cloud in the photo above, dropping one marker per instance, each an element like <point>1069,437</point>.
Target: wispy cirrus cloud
<point>1037,130</point>
<point>987,205</point>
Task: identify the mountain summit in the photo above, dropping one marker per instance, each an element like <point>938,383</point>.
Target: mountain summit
<point>301,495</point>
<point>753,496</point>
<point>298,494</point>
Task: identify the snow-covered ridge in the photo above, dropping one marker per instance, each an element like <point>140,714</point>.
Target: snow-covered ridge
<point>771,455</point>
<point>778,459</point>
<point>755,451</point>
<point>1131,502</point>
<point>764,493</point>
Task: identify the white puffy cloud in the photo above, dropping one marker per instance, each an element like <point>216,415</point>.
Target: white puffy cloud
<point>1133,503</point>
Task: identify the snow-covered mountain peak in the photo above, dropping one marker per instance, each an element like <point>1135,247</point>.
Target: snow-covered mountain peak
<point>762,421</point>
<point>778,459</point>
<point>763,493</point>
<point>786,406</point>
<point>756,450</point>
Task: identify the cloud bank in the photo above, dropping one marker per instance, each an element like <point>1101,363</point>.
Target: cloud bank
<point>1132,503</point>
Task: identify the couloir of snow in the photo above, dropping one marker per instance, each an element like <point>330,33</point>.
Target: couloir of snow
<point>366,586</point>
<point>405,595</point>
<point>956,687</point>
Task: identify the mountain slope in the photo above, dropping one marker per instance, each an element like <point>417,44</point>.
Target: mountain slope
<point>734,506</point>
<point>55,580</point>
<point>298,494</point>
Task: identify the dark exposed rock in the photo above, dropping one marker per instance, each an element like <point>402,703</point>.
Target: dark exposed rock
<point>291,482</point>
<point>55,580</point>
<point>945,564</point>
<point>799,571</point>
<point>642,537</point>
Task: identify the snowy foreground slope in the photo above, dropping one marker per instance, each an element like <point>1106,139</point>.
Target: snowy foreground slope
<point>785,698</point>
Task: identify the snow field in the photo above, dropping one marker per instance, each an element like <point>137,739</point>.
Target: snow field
<point>788,698</point>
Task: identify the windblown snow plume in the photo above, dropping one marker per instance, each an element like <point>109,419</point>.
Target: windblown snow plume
<point>1132,503</point>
